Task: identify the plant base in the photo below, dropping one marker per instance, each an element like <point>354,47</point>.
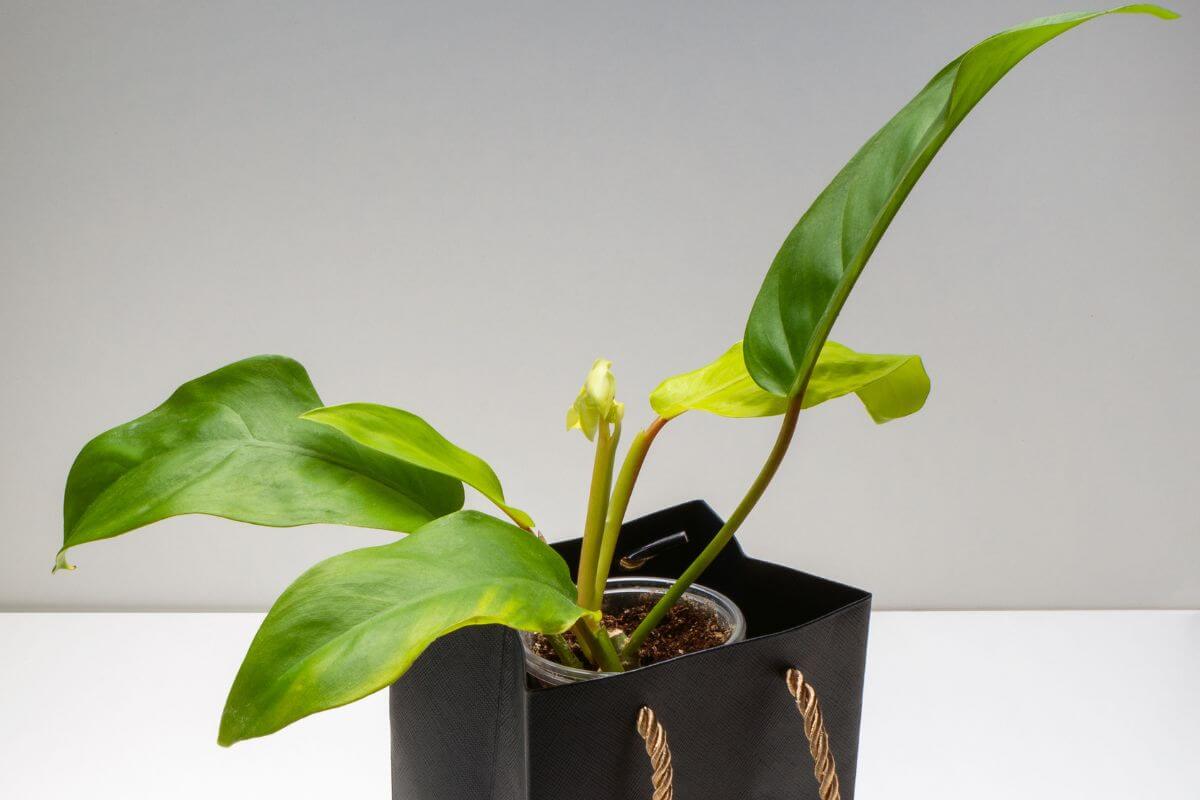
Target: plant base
<point>465,722</point>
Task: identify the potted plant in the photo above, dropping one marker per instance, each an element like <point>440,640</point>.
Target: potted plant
<point>528,663</point>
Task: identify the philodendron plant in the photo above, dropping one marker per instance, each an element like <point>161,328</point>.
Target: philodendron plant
<point>253,442</point>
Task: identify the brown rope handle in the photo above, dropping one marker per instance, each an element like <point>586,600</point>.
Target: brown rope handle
<point>659,751</point>
<point>824,768</point>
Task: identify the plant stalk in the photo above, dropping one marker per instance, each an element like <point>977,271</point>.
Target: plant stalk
<point>600,646</point>
<point>563,651</point>
<point>618,504</point>
<point>702,562</point>
<point>593,526</point>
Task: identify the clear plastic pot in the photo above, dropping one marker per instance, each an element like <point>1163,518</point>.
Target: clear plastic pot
<point>618,594</point>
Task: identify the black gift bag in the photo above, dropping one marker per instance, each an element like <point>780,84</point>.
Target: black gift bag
<point>468,725</point>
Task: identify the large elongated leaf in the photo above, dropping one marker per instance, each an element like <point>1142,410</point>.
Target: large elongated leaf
<point>823,256</point>
<point>353,624</point>
<point>231,444</point>
<point>408,437</point>
<point>890,386</point>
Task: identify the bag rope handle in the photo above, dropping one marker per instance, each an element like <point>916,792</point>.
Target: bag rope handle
<point>824,768</point>
<point>663,777</point>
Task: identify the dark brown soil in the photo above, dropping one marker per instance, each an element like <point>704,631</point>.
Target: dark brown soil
<point>688,627</point>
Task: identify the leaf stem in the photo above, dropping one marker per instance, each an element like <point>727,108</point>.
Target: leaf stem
<point>706,557</point>
<point>593,526</point>
<point>600,646</point>
<point>618,504</point>
<point>563,650</point>
<point>520,523</point>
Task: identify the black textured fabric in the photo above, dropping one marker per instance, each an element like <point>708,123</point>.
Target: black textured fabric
<point>458,719</point>
<point>466,725</point>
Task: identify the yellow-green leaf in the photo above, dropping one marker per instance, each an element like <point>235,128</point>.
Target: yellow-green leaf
<point>354,623</point>
<point>890,386</point>
<point>230,444</point>
<point>407,437</point>
<point>722,387</point>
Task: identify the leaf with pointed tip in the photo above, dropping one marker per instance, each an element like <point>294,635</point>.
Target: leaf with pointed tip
<point>890,386</point>
<point>406,436</point>
<point>231,444</point>
<point>816,268</point>
<point>354,623</point>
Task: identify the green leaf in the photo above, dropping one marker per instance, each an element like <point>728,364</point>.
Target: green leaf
<point>231,444</point>
<point>890,386</point>
<point>722,387</point>
<point>816,268</point>
<point>409,438</point>
<point>353,624</point>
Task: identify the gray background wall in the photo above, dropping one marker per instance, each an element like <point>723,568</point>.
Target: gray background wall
<point>454,208</point>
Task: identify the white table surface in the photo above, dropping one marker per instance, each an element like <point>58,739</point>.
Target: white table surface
<point>962,705</point>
